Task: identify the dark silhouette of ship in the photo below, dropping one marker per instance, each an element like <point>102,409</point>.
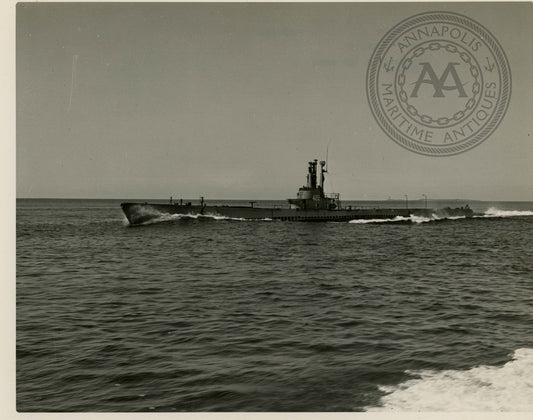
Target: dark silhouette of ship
<point>310,205</point>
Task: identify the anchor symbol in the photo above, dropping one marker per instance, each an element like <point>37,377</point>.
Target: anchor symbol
<point>490,66</point>
<point>388,67</point>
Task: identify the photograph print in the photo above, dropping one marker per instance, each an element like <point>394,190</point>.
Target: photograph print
<point>274,207</point>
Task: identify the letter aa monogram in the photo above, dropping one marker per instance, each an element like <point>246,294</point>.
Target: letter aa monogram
<point>438,83</point>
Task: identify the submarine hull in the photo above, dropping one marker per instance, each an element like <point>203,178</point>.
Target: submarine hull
<point>139,213</point>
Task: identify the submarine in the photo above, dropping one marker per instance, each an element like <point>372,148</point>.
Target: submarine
<point>310,205</point>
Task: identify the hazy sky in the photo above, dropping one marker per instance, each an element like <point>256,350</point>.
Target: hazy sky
<point>232,100</point>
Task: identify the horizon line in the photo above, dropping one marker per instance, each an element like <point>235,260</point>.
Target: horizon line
<point>264,199</point>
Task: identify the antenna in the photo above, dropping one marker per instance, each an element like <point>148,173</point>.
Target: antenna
<point>327,166</point>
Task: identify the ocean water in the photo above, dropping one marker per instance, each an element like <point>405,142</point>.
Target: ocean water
<point>207,314</point>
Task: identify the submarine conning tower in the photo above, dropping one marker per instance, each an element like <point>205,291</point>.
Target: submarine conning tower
<point>311,196</point>
<point>313,177</point>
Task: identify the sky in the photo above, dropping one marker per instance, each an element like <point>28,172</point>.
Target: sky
<point>232,100</point>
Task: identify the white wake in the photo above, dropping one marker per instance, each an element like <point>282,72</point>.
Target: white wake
<point>411,219</point>
<point>483,388</point>
<point>166,217</point>
<point>494,212</point>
